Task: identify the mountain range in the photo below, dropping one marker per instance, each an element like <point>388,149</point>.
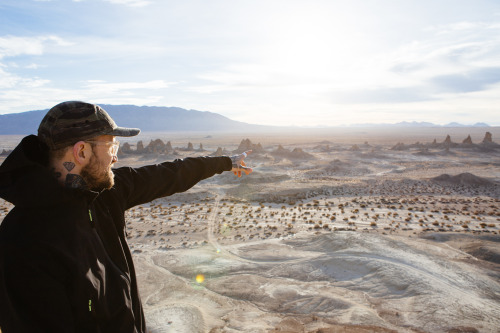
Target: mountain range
<point>147,118</point>
<point>171,119</point>
<point>421,124</point>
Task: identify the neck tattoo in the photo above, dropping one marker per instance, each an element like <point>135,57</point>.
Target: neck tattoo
<point>75,181</point>
<point>55,173</point>
<point>69,166</point>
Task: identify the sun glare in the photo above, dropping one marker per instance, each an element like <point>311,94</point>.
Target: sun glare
<point>200,278</point>
<point>315,45</point>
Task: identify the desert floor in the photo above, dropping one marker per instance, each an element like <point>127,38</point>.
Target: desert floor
<point>332,232</point>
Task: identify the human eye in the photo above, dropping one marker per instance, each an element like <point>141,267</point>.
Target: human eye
<point>114,147</point>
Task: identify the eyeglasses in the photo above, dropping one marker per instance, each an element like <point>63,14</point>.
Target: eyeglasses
<point>113,145</point>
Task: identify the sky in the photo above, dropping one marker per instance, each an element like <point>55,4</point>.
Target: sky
<point>273,62</point>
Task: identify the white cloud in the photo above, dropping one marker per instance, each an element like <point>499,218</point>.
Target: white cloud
<point>131,3</point>
<point>34,94</point>
<point>10,81</point>
<point>268,61</point>
<point>32,66</point>
<point>125,86</point>
<point>440,76</point>
<point>11,46</point>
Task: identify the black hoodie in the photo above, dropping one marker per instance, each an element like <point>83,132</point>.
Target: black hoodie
<point>65,265</point>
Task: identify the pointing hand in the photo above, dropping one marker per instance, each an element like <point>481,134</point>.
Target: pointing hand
<point>239,164</point>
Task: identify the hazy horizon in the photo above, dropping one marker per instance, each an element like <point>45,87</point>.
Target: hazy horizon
<point>402,124</point>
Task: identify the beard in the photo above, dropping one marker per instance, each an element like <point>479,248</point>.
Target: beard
<point>97,176</point>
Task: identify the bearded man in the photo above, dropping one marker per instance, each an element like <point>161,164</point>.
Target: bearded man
<point>65,265</point>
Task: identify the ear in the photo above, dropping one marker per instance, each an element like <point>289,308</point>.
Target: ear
<point>82,152</point>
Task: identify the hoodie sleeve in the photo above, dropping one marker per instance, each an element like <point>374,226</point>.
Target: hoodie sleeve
<point>141,185</point>
<point>32,299</point>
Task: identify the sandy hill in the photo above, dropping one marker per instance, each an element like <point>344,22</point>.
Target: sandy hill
<point>462,179</point>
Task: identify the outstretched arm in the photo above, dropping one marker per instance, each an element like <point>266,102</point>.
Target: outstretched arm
<point>140,185</point>
<point>239,164</point>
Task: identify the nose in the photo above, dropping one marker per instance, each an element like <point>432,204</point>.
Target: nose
<point>114,159</point>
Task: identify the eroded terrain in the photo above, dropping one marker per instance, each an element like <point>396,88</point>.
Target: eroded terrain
<point>328,234</point>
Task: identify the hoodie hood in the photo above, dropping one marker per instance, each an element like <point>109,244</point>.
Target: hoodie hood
<point>25,179</point>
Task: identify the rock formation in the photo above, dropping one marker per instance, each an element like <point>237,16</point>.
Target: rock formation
<point>125,149</point>
<point>297,153</point>
<point>156,147</point>
<point>300,154</point>
<point>219,152</point>
<point>399,146</point>
<point>467,141</point>
<point>487,143</point>
<point>140,147</point>
<point>447,141</point>
<point>246,144</point>
<point>488,138</point>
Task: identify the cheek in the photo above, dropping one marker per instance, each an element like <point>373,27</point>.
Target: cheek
<point>106,160</point>
<point>103,163</point>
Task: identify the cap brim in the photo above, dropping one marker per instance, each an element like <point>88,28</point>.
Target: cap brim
<point>123,131</point>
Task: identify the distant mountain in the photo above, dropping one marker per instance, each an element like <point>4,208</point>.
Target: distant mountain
<point>174,119</point>
<point>21,123</point>
<point>147,118</point>
<point>420,124</point>
<point>426,124</point>
<point>462,125</point>
<point>415,124</point>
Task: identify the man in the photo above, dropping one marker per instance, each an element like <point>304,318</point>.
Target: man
<point>65,265</point>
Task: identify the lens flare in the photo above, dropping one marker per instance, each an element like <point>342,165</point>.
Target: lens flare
<point>200,278</point>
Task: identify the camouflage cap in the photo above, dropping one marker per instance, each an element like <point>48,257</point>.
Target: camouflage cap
<point>69,122</point>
